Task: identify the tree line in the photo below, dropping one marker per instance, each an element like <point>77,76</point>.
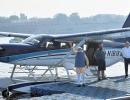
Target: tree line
<point>60,23</point>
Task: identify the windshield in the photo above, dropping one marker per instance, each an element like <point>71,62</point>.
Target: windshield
<point>34,40</point>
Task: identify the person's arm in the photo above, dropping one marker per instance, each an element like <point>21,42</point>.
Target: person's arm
<point>95,55</point>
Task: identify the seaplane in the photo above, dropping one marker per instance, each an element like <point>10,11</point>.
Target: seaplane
<point>56,50</point>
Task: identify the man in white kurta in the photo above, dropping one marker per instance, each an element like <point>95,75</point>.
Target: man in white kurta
<point>126,56</point>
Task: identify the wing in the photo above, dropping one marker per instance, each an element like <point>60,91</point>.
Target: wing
<point>75,37</point>
<point>12,34</point>
<point>96,35</point>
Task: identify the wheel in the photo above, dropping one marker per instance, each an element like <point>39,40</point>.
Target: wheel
<point>5,93</point>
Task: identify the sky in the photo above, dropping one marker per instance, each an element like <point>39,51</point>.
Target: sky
<point>49,8</point>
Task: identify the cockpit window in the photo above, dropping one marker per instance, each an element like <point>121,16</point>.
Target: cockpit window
<point>34,40</point>
<point>52,45</point>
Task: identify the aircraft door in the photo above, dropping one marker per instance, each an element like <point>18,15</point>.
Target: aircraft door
<point>90,50</point>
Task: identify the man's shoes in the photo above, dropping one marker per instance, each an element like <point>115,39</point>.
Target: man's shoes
<point>104,78</point>
<point>79,85</point>
<point>83,85</point>
<point>126,76</point>
<point>99,79</point>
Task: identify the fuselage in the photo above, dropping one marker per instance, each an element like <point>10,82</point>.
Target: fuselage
<point>42,52</point>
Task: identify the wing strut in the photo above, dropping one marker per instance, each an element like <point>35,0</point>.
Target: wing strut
<point>65,57</point>
<point>12,73</point>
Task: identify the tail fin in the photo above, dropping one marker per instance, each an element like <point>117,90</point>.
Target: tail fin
<point>127,22</point>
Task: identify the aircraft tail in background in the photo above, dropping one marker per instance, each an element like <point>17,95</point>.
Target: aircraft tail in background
<point>127,22</point>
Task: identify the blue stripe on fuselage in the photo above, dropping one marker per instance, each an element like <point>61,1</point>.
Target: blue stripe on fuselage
<point>32,55</point>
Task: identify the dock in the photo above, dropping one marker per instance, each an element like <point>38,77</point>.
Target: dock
<point>101,90</point>
<point>115,86</point>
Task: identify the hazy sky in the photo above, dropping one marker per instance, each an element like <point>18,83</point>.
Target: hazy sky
<point>48,8</point>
